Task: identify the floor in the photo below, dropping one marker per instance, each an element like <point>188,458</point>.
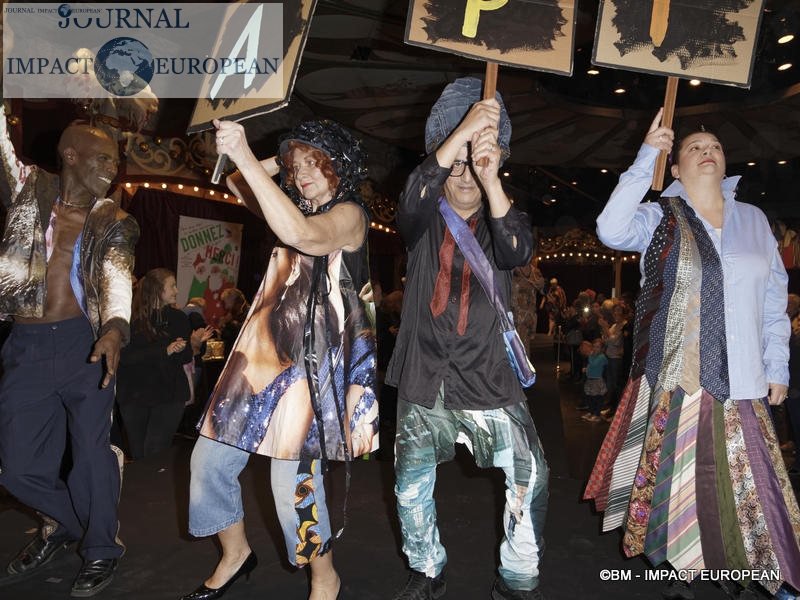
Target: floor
<point>164,562</point>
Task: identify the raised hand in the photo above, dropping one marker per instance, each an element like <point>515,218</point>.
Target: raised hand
<point>231,140</point>
<point>485,154</point>
<point>659,136</point>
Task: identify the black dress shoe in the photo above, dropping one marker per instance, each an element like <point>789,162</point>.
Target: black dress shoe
<point>206,593</point>
<point>36,553</point>
<point>93,577</point>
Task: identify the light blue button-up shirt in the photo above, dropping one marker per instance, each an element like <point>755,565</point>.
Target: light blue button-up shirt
<point>755,280</point>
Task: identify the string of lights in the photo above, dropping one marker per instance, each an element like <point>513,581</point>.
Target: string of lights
<point>208,193</point>
<point>587,257</point>
<point>578,246</point>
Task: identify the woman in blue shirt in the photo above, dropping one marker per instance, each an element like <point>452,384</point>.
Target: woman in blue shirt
<point>691,467</point>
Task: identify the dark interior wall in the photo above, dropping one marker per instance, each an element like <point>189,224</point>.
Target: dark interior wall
<point>386,259</point>
<point>794,281</point>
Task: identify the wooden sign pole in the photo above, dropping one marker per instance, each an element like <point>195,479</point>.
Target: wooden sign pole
<point>489,88</point>
<point>666,120</point>
<point>490,81</point>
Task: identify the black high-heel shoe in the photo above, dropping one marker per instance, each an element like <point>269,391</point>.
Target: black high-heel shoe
<point>206,593</point>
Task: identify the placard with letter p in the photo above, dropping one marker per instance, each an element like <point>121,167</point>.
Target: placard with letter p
<point>537,34</point>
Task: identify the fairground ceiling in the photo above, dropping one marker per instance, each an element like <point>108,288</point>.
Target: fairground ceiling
<point>572,135</point>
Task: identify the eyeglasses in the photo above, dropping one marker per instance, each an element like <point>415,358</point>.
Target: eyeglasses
<point>458,168</point>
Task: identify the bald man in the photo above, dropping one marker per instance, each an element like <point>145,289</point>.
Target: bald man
<point>65,278</point>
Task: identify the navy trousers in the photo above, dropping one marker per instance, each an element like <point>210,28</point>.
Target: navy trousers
<point>50,394</point>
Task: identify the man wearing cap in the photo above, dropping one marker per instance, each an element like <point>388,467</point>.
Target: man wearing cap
<point>450,366</point>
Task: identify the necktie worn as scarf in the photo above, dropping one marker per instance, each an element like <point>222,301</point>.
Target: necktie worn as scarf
<point>442,289</point>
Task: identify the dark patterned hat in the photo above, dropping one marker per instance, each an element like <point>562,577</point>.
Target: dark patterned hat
<point>345,151</point>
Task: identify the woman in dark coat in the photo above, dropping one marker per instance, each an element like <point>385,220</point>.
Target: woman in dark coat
<point>152,387</point>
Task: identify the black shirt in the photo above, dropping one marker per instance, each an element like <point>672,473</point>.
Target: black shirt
<point>428,351</point>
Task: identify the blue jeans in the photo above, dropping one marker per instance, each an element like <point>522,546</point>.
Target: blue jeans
<point>505,438</point>
<point>215,497</point>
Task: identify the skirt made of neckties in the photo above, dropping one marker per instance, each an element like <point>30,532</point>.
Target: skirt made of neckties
<point>698,483</point>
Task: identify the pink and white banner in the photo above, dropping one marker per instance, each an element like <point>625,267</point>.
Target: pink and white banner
<point>209,253</point>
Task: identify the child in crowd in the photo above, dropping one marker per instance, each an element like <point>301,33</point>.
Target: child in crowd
<point>594,388</point>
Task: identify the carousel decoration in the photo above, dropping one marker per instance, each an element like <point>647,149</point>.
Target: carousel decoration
<point>177,157</point>
<point>123,119</point>
<point>578,246</point>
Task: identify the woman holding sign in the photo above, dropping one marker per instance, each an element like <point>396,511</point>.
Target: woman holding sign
<point>299,383</point>
<point>691,467</point>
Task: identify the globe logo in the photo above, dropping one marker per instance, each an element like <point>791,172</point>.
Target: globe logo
<point>124,66</point>
<point>64,10</point>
